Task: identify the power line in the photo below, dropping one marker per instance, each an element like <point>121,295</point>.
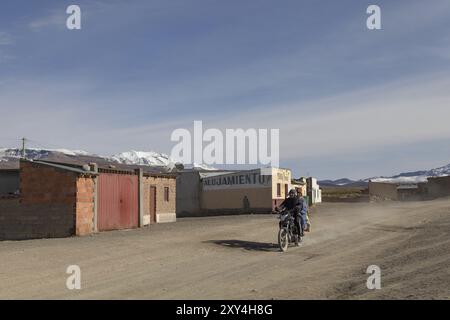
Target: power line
<point>9,139</point>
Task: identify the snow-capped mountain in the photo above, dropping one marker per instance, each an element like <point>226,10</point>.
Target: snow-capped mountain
<point>412,177</point>
<point>36,154</point>
<point>441,171</point>
<point>415,176</point>
<point>197,166</point>
<point>152,159</point>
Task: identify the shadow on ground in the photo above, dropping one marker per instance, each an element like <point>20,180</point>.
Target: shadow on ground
<point>247,245</point>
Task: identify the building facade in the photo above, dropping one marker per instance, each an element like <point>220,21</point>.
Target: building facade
<point>313,191</point>
<point>218,192</point>
<point>236,192</point>
<point>433,188</point>
<point>59,200</point>
<point>438,187</point>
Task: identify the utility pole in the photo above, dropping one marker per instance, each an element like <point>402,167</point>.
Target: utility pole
<point>23,148</point>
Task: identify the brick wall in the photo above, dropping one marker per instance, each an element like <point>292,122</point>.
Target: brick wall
<point>85,206</point>
<point>165,210</point>
<point>54,203</point>
<point>41,184</point>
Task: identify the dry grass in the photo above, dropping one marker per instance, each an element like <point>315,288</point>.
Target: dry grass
<point>333,194</point>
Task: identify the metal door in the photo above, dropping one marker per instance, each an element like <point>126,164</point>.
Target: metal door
<point>117,201</point>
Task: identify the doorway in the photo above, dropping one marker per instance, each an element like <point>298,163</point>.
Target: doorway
<point>152,204</point>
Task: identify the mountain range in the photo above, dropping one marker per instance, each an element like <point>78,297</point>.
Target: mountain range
<point>9,158</point>
<point>412,177</point>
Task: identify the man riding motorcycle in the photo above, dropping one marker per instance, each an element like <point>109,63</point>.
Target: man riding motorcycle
<point>298,208</point>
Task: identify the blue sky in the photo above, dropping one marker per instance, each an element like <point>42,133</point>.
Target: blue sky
<point>349,102</point>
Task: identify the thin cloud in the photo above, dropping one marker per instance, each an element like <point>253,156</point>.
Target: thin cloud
<point>5,39</point>
<point>53,19</point>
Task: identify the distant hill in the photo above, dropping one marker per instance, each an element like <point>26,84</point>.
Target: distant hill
<point>344,182</point>
<point>405,177</point>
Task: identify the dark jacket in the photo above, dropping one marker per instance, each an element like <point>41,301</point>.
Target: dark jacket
<point>291,203</point>
<point>296,203</point>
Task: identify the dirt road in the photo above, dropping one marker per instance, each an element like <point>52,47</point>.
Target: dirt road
<point>236,257</point>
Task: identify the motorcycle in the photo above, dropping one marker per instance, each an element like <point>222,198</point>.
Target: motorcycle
<point>288,232</point>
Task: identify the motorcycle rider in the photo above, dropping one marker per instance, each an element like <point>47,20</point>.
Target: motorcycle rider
<point>295,205</point>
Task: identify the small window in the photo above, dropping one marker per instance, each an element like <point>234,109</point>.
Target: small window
<point>286,191</point>
<point>166,194</point>
<point>278,189</point>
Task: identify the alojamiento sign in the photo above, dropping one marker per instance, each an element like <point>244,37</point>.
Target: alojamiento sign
<point>241,179</point>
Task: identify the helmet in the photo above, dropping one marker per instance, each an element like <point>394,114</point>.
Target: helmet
<point>292,193</point>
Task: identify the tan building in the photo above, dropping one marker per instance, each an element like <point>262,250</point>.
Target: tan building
<point>249,191</point>
<point>300,186</point>
<point>159,198</point>
<point>433,188</point>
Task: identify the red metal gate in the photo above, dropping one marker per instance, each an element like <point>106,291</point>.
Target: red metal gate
<point>117,201</point>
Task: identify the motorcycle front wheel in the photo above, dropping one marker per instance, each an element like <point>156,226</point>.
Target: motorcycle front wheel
<point>283,239</point>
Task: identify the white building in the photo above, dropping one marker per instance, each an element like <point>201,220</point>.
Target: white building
<point>313,190</point>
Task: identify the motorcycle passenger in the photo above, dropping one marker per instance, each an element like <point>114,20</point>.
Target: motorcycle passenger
<point>303,207</point>
<point>294,205</point>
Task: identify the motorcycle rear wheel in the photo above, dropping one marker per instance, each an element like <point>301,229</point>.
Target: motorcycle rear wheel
<point>283,239</point>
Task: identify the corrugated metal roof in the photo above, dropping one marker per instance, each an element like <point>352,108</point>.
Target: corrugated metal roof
<point>62,167</point>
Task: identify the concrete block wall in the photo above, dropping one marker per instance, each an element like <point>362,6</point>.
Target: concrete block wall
<point>20,222</point>
<point>382,191</point>
<point>231,201</point>
<point>188,194</point>
<point>438,187</point>
<point>165,210</point>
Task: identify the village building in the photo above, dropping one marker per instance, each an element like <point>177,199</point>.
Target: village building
<point>314,192</point>
<point>234,192</point>
<point>61,200</point>
<point>438,187</point>
<point>300,186</point>
<point>433,188</point>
